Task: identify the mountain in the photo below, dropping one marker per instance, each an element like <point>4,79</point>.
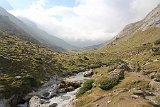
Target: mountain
<point>150,21</point>
<point>126,71</point>
<point>135,80</point>
<point>35,33</point>
<point>44,37</point>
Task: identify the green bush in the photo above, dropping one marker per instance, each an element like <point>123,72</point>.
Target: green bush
<point>109,83</point>
<point>86,86</point>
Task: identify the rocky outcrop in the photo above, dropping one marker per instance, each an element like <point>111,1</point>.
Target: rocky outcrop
<point>67,86</point>
<point>150,21</point>
<point>118,72</point>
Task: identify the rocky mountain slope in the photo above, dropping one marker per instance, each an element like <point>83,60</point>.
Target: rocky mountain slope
<point>150,21</point>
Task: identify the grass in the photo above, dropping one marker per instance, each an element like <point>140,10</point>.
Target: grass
<point>32,62</point>
<point>134,49</point>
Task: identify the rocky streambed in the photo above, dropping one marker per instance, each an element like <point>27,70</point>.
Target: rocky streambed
<point>59,93</point>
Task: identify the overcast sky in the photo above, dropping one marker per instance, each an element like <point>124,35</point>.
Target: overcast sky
<point>83,19</point>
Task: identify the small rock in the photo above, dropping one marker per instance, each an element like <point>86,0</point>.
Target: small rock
<point>18,77</point>
<point>108,101</point>
<point>152,75</point>
<point>43,101</point>
<point>70,88</point>
<point>154,85</point>
<point>62,90</point>
<point>110,94</point>
<point>125,90</point>
<point>97,105</point>
<point>53,105</point>
<point>45,94</point>
<point>157,77</point>
<point>134,96</point>
<point>138,92</point>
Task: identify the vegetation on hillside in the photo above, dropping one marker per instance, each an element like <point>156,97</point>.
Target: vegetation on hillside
<point>86,86</point>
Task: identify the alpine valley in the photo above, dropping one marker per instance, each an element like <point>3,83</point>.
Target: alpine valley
<point>38,69</point>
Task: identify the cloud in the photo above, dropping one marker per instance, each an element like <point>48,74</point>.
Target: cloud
<point>88,19</point>
<point>142,7</point>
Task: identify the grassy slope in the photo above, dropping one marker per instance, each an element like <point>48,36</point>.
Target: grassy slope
<point>132,49</point>
<point>30,61</point>
<point>33,63</point>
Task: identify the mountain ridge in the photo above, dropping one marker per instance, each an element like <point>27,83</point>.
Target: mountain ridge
<point>60,45</point>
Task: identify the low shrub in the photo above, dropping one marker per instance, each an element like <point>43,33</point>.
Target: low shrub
<point>86,86</point>
<point>109,83</point>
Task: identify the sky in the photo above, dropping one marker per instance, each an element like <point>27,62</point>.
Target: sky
<point>83,20</point>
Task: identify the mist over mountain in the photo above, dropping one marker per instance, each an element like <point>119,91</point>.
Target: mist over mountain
<point>5,5</point>
<point>85,23</point>
<point>31,29</point>
<point>44,37</point>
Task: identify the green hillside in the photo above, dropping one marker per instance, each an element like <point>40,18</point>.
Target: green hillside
<point>140,50</point>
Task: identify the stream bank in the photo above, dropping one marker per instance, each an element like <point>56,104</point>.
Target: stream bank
<point>60,94</point>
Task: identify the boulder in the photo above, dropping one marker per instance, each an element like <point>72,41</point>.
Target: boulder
<point>124,66</point>
<point>18,77</point>
<point>134,96</point>
<point>138,92</point>
<point>66,86</point>
<point>45,94</point>
<point>117,73</point>
<point>88,73</point>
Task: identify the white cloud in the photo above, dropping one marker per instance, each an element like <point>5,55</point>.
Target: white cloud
<point>89,19</point>
<point>142,7</point>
